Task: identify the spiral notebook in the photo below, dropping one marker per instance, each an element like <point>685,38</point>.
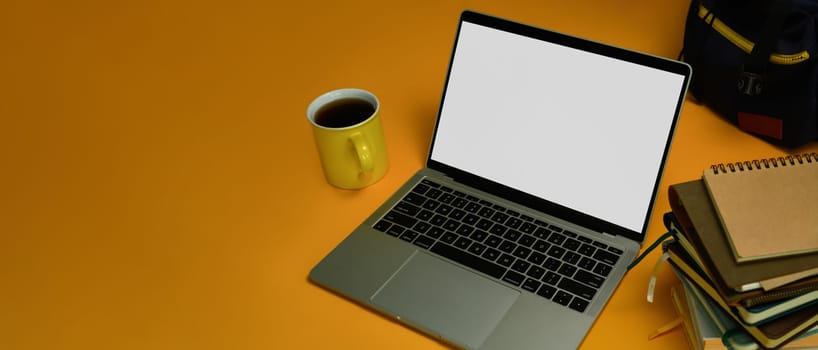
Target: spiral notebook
<point>767,206</point>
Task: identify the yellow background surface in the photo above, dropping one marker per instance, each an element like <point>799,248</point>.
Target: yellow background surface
<point>160,188</point>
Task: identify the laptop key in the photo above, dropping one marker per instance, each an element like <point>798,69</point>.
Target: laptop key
<point>471,219</point>
<point>520,266</point>
<point>571,244</point>
<point>507,247</point>
<point>556,238</point>
<point>472,207</point>
<point>420,188</point>
<point>606,257</point>
<point>422,227</point>
<point>586,263</point>
<point>602,269</point>
<point>395,230</point>
<point>541,246</point>
<point>425,215</point>
<point>577,288</point>
<point>457,214</point>
<point>498,229</point>
<point>493,241</point>
<point>429,183</point>
<point>462,243</point>
<point>514,278</point>
<point>491,254</point>
<point>589,278</point>
<point>535,272</point>
<point>451,225</point>
<point>522,252</point>
<point>615,250</point>
<point>554,228</point>
<point>526,240</point>
<point>468,260</point>
<point>464,230</point>
<point>444,209</point>
<point>552,264</point>
<point>459,203</point>
<point>424,242</point>
<point>551,278</point>
<point>499,217</point>
<point>449,237</point>
<point>536,258</point>
<point>563,298</point>
<point>407,208</point>
<point>578,304</point>
<point>438,220</point>
<point>382,225</point>
<point>531,285</point>
<point>435,232</point>
<point>477,248</point>
<point>409,236</point>
<point>415,198</point>
<point>447,198</point>
<point>484,224</point>
<point>571,258</point>
<point>505,260</point>
<point>567,270</point>
<point>556,251</point>
<point>586,249</point>
<point>514,222</point>
<point>400,219</point>
<point>528,228</point>
<point>434,193</point>
<point>512,235</point>
<point>546,291</point>
<point>431,204</point>
<point>486,212</point>
<point>541,233</point>
<point>479,235</point>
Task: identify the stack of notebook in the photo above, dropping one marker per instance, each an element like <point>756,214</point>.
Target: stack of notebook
<point>746,249</point>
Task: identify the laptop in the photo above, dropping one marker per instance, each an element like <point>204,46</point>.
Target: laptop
<point>543,168</point>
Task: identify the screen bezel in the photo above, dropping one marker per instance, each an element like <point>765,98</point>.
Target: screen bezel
<point>535,202</point>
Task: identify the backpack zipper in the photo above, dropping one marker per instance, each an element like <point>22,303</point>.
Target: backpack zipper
<point>744,44</point>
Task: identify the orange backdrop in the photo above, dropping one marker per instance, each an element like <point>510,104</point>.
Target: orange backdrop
<point>159,185</point>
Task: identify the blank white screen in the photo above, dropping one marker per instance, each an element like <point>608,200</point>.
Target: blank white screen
<point>579,129</point>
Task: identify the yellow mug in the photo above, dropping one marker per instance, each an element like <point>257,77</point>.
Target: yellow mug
<point>348,133</point>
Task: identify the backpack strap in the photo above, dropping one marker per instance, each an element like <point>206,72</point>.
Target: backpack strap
<point>751,79</point>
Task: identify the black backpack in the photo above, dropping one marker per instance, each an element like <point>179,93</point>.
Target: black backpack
<point>754,63</point>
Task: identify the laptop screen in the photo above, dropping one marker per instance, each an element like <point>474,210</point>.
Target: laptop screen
<point>541,113</point>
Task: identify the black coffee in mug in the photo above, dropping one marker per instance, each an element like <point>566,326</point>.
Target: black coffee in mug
<point>344,112</point>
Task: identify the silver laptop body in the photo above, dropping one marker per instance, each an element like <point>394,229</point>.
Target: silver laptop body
<point>539,185</point>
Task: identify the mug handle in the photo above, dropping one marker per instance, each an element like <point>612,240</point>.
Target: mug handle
<point>364,153</point>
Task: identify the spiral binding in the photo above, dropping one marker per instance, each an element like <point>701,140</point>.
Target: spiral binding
<point>759,164</point>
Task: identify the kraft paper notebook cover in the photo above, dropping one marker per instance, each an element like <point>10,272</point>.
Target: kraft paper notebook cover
<point>694,211</point>
<point>776,303</point>
<point>767,207</point>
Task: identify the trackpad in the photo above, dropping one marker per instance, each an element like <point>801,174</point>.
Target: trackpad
<point>444,298</point>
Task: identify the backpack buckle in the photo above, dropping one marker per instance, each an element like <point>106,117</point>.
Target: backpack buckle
<point>751,84</point>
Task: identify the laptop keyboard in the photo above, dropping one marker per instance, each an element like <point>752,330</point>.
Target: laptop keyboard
<point>517,249</point>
